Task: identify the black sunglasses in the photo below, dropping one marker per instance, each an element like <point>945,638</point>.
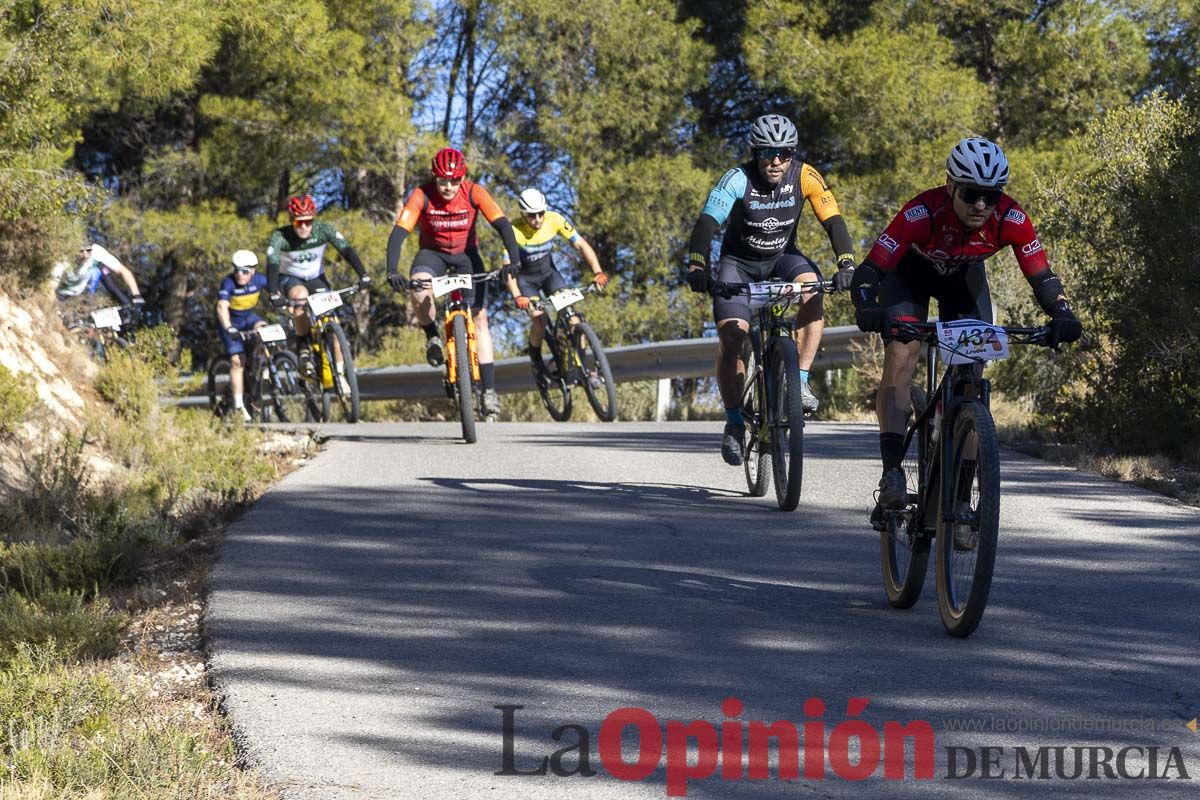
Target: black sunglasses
<point>771,153</point>
<point>973,194</point>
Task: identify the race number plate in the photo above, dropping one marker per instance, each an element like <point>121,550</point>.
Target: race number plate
<point>967,341</point>
<point>324,302</point>
<point>565,297</point>
<point>107,318</point>
<point>763,293</point>
<point>448,283</point>
<point>272,333</point>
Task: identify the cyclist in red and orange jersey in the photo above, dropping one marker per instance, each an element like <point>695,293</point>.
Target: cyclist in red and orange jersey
<point>446,209</point>
<point>935,248</point>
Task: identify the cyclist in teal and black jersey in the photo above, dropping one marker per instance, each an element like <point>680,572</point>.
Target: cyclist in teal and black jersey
<point>759,203</point>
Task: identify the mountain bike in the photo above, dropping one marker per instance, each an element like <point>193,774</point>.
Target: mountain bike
<point>771,402</point>
<point>103,328</point>
<point>577,359</point>
<point>275,389</point>
<point>952,463</point>
<point>462,359</point>
<point>323,309</point>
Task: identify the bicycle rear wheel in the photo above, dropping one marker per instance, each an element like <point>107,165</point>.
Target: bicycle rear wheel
<point>462,387</point>
<point>785,422</point>
<point>597,375</point>
<point>756,448</point>
<point>347,396</point>
<point>903,547</point>
<point>966,547</point>
<point>220,397</point>
<point>552,383</point>
<point>289,392</point>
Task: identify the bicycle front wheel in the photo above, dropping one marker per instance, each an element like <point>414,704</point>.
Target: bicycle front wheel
<point>785,421</point>
<point>552,383</point>
<point>966,545</point>
<point>220,399</point>
<point>597,375</point>
<point>756,447</point>
<point>289,390</point>
<point>903,545</point>
<point>462,386</point>
<point>347,393</point>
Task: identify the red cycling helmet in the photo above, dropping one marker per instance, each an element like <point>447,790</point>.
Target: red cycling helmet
<point>449,163</point>
<point>300,207</point>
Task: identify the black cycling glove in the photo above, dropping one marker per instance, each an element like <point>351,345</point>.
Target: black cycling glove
<point>1064,327</point>
<point>699,280</point>
<point>844,276</point>
<point>398,282</point>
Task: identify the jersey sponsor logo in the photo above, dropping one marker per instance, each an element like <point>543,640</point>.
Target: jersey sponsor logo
<point>916,213</point>
<point>1016,216</point>
<point>755,205</point>
<point>770,224</point>
<point>887,243</point>
<point>787,188</point>
<point>765,245</point>
<point>1033,247</point>
<point>304,256</point>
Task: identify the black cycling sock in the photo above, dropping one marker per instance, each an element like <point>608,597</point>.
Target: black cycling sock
<point>535,351</point>
<point>891,447</point>
<point>431,330</point>
<point>487,375</point>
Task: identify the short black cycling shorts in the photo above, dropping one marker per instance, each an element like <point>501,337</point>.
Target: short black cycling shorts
<point>235,346</point>
<point>314,285</point>
<point>783,267</point>
<point>541,279</point>
<point>434,263</point>
<point>961,291</point>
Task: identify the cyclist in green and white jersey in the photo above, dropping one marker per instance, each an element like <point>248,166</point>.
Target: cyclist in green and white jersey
<point>296,268</point>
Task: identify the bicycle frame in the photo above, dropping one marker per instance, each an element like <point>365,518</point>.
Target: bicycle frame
<point>317,325</point>
<point>959,384</point>
<point>457,306</point>
<point>565,320</point>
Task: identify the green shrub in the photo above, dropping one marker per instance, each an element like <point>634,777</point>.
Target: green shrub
<point>66,619</point>
<point>16,398</point>
<point>128,383</point>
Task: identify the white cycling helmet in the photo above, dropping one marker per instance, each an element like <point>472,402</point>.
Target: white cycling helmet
<point>532,201</point>
<point>773,130</point>
<point>245,259</point>
<point>979,162</point>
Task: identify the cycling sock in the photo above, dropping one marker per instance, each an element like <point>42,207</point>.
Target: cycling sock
<point>733,416</point>
<point>340,367</point>
<point>431,330</point>
<point>487,374</point>
<point>891,447</point>
<point>804,377</point>
<point>237,401</point>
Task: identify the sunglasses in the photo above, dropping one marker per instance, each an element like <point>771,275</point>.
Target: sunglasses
<point>534,215</point>
<point>298,223</point>
<point>243,270</point>
<point>973,194</point>
<point>772,153</point>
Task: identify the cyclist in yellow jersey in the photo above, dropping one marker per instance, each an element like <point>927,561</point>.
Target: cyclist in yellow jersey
<point>536,232</point>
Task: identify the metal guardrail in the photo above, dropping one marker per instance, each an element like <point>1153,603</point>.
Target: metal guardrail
<point>684,358</point>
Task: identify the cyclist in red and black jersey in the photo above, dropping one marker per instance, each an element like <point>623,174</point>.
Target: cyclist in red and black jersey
<point>446,209</point>
<point>935,248</point>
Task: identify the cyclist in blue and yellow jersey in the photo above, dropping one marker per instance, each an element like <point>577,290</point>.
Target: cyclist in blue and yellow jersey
<point>536,231</point>
<point>298,252</point>
<point>759,203</point>
<point>236,299</point>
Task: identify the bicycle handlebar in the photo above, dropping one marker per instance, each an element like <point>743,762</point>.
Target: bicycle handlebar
<point>927,332</point>
<point>476,277</point>
<point>543,303</point>
<point>729,289</point>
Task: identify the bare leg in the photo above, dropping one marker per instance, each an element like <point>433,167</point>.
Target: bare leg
<point>731,370</point>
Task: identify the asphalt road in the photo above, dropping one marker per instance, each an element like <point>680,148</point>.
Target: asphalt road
<point>369,613</point>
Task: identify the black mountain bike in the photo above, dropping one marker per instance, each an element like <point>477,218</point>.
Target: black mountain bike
<point>103,328</point>
<point>952,464</point>
<point>275,390</point>
<point>576,359</point>
<point>771,403</point>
